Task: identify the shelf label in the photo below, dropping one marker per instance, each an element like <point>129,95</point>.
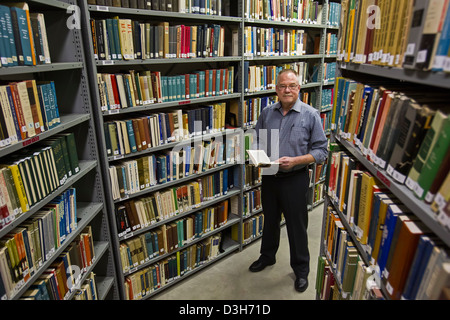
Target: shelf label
<point>102,8</point>
<point>384,179</point>
<point>30,141</point>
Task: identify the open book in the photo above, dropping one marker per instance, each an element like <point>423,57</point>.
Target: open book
<point>259,158</point>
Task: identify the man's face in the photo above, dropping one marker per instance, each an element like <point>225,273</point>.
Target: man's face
<point>287,88</point>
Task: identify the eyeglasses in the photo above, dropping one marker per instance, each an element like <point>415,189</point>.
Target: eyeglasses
<point>291,86</point>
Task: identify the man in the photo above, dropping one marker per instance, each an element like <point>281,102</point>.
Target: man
<point>301,142</point>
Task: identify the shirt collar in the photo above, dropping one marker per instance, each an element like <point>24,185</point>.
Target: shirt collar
<point>296,107</point>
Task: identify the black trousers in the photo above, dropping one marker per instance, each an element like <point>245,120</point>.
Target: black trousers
<point>288,195</point>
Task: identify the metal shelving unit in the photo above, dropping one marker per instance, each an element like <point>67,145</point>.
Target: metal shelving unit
<point>68,72</point>
<point>94,66</point>
<point>400,191</point>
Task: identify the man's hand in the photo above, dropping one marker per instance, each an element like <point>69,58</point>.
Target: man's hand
<point>287,163</point>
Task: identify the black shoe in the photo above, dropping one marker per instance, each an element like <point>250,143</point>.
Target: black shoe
<point>301,284</point>
<point>259,265</point>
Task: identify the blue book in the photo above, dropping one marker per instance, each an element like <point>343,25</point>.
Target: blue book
<point>443,46</point>
<point>5,48</point>
<point>420,262</point>
<point>392,214</point>
<point>10,33</point>
<point>131,137</point>
<point>13,112</point>
<point>54,103</point>
<point>20,21</point>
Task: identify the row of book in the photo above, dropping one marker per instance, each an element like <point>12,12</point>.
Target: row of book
<point>161,205</point>
<point>23,36</point>
<point>334,14</point>
<point>318,193</point>
<point>126,90</point>
<point>405,133</point>
<point>133,135</point>
<point>209,7</point>
<point>126,39</point>
<point>145,281</point>
<point>251,109</point>
<point>252,228</point>
<point>252,175</point>
<point>172,236</point>
<point>32,175</point>
<point>25,250</point>
<point>325,118</point>
<point>327,98</point>
<point>301,11</point>
<point>405,34</point>
<point>28,108</point>
<point>264,77</point>
<point>63,279</point>
<point>260,42</point>
<point>43,290</point>
<point>132,176</point>
<point>410,262</point>
<point>251,202</point>
<point>331,43</point>
<point>328,72</point>
<point>347,277</point>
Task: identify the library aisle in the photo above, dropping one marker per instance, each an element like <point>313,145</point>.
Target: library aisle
<point>230,279</point>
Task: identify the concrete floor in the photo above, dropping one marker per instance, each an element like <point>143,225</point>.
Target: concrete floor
<point>230,279</point>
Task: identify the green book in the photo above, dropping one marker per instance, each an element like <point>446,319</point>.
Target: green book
<point>433,162</point>
<point>60,165</point>
<point>72,151</point>
<point>428,143</point>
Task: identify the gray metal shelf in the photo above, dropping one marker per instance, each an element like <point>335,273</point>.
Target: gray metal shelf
<point>85,167</point>
<point>143,62</point>
<point>67,121</point>
<point>85,212</point>
<point>435,79</point>
<point>164,14</point>
<point>57,66</point>
<point>289,24</point>
<point>178,103</point>
<point>95,66</point>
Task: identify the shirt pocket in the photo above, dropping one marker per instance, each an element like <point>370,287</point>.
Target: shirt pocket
<point>299,136</point>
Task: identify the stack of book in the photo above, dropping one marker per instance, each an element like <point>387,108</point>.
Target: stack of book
<point>405,133</point>
<point>260,42</point>
<point>132,176</point>
<point>404,34</point>
<point>133,135</point>
<point>28,108</point>
<point>172,236</point>
<point>32,175</point>
<point>126,90</point>
<point>300,11</point>
<point>400,247</point>
<point>144,211</point>
<point>252,229</point>
<point>23,36</point>
<point>172,268</point>
<point>126,39</point>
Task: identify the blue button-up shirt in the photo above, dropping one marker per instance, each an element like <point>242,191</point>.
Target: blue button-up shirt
<point>299,132</point>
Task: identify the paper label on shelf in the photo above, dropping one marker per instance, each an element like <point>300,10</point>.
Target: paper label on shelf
<point>102,8</point>
<point>421,56</point>
<point>410,49</point>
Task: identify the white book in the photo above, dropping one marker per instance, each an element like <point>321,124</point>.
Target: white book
<point>259,158</point>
